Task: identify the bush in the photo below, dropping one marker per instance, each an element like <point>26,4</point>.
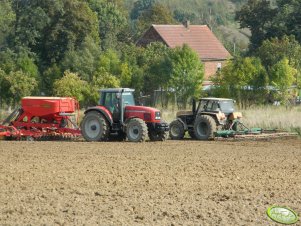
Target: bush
<point>70,85</point>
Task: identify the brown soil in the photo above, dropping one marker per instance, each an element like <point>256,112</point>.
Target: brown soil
<point>163,183</point>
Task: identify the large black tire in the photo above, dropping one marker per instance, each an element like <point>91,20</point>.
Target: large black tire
<point>157,136</point>
<point>136,130</point>
<point>204,127</point>
<point>176,130</point>
<point>95,127</point>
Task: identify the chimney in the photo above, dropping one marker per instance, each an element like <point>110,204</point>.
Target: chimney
<point>186,24</point>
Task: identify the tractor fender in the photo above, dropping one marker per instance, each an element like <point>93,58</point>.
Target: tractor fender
<point>102,111</point>
<point>184,124</point>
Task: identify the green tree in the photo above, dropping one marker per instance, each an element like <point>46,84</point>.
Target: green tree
<point>83,60</point>
<point>288,19</point>
<point>140,7</point>
<point>282,77</point>
<point>50,75</point>
<point>101,79</point>
<point>156,69</point>
<point>75,22</point>
<point>243,79</point>
<point>22,60</point>
<point>70,85</point>
<point>110,61</point>
<point>29,13</point>
<point>7,19</point>
<point>55,27</point>
<point>187,73</point>
<point>112,21</point>
<point>181,16</point>
<point>133,56</point>
<point>257,15</point>
<point>125,75</point>
<point>4,88</point>
<point>158,14</point>
<point>273,51</point>
<point>19,84</point>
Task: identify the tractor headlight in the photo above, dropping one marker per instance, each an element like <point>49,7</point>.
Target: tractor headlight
<point>158,115</point>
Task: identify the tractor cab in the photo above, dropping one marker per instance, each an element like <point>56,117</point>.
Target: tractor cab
<point>110,98</point>
<point>115,100</point>
<point>223,105</point>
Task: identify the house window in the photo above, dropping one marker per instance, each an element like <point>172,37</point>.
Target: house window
<point>219,66</point>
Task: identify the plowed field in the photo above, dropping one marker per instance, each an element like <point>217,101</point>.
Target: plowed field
<point>153,183</point>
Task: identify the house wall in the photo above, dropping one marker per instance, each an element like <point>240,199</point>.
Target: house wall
<point>211,68</point>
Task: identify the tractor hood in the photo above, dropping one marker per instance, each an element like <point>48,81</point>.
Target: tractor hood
<point>146,113</point>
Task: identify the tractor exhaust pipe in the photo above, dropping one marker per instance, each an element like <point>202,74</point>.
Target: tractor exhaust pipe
<point>193,106</point>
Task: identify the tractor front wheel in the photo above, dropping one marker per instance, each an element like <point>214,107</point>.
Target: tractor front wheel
<point>204,127</point>
<point>95,127</point>
<point>176,130</point>
<point>136,130</point>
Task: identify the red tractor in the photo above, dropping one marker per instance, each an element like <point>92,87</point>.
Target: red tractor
<point>118,116</point>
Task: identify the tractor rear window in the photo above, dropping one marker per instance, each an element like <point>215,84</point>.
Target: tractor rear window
<point>128,99</point>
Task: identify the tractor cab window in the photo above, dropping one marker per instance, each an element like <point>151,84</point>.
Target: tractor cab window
<point>227,106</point>
<point>215,106</point>
<point>212,106</point>
<point>203,105</point>
<point>128,99</point>
<point>111,101</point>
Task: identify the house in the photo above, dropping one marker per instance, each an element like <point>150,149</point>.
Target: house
<point>199,37</point>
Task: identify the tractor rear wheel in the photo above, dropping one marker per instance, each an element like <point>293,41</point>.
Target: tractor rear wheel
<point>204,127</point>
<point>158,136</point>
<point>95,127</point>
<point>136,130</point>
<point>176,130</point>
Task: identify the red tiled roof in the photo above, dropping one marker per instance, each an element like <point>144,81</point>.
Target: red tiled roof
<point>199,37</point>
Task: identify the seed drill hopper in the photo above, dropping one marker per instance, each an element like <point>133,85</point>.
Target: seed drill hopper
<point>42,118</point>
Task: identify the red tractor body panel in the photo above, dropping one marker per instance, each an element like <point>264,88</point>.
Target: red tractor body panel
<point>147,114</point>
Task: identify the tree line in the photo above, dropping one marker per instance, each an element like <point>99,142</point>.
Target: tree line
<point>270,70</point>
<point>76,47</point>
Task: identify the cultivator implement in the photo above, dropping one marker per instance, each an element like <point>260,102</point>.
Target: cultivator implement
<point>42,118</point>
<point>238,130</point>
